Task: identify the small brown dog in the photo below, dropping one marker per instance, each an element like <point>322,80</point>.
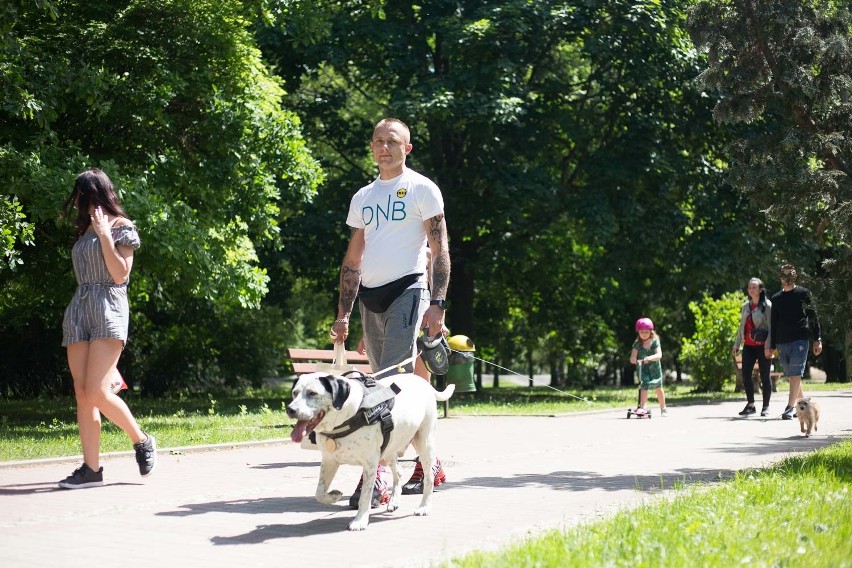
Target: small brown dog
<point>808,413</point>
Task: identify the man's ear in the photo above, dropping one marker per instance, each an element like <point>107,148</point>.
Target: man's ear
<point>338,388</point>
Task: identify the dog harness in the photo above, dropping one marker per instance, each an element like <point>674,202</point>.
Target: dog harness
<point>376,406</point>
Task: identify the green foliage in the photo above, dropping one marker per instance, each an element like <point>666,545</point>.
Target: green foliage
<point>583,175</point>
<point>708,351</point>
<point>783,74</point>
<point>173,100</point>
<point>13,229</point>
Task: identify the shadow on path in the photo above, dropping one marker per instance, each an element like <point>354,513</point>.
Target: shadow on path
<point>46,487</point>
<point>315,527</point>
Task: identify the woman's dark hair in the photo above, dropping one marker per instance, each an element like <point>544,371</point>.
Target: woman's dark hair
<point>92,187</point>
<point>761,303</point>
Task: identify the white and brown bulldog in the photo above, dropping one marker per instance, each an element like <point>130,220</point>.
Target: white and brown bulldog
<point>325,404</point>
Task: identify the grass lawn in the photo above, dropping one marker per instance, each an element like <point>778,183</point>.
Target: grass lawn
<point>31,429</point>
<point>796,513</point>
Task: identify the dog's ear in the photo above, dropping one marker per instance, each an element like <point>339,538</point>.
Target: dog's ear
<point>338,388</point>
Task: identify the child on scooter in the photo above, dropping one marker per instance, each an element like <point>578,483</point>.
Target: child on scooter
<point>646,355</point>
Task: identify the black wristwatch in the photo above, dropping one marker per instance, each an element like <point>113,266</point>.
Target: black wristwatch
<point>440,303</point>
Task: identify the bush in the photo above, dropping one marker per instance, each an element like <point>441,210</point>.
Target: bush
<point>708,351</point>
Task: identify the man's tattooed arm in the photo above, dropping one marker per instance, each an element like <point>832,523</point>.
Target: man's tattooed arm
<point>440,256</point>
<point>350,274</point>
<point>350,279</point>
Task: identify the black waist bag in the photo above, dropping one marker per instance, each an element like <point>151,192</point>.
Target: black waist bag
<point>380,298</point>
<point>759,335</point>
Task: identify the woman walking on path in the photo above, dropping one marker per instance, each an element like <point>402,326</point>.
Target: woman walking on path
<point>95,325</point>
<point>755,318</point>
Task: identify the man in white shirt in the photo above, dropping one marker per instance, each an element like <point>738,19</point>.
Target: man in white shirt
<point>393,220</point>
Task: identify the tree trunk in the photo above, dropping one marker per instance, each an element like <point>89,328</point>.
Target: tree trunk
<point>678,370</point>
<point>832,362</point>
<point>460,293</point>
<point>627,376</point>
<point>847,350</point>
<point>530,369</point>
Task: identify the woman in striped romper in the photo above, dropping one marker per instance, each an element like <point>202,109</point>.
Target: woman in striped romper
<point>94,328</point>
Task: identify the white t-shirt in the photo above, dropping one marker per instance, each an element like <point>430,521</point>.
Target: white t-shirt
<point>392,213</point>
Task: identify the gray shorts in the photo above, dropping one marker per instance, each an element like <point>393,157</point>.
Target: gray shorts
<point>96,312</point>
<point>391,337</point>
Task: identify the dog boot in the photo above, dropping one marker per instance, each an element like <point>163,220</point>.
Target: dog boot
<point>381,494</point>
<point>414,486</point>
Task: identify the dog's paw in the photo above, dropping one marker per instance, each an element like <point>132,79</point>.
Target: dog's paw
<point>359,524</point>
<point>422,511</point>
<point>330,497</point>
<point>393,504</point>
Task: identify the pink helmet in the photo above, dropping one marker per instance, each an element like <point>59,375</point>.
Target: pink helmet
<point>644,323</point>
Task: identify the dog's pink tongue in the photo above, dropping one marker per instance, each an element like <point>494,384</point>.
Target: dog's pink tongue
<point>300,430</point>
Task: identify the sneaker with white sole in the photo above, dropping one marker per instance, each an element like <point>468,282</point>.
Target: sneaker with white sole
<point>146,455</point>
<point>749,409</point>
<point>381,495</point>
<point>764,411</point>
<point>788,413</point>
<point>83,477</point>
<point>414,486</point>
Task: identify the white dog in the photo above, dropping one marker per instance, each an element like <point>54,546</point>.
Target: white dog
<point>323,402</point>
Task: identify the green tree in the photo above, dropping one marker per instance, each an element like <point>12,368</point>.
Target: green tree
<point>784,71</point>
<point>173,100</point>
<point>580,166</point>
<point>708,351</point>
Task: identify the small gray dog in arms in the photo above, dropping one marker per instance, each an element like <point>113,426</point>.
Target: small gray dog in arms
<point>808,413</point>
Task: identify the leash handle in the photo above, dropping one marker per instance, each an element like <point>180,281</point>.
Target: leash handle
<point>400,364</point>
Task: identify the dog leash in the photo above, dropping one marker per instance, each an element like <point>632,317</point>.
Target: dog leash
<point>520,375</point>
<point>399,366</point>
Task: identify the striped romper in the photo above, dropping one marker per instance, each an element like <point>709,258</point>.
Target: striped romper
<point>99,308</point>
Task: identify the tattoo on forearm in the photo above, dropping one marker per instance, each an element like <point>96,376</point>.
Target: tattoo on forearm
<point>441,258</point>
<point>441,274</point>
<point>350,279</point>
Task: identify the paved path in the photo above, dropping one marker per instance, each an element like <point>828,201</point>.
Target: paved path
<point>508,477</point>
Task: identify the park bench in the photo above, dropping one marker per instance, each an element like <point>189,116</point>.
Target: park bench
<point>306,360</point>
<point>755,376</point>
